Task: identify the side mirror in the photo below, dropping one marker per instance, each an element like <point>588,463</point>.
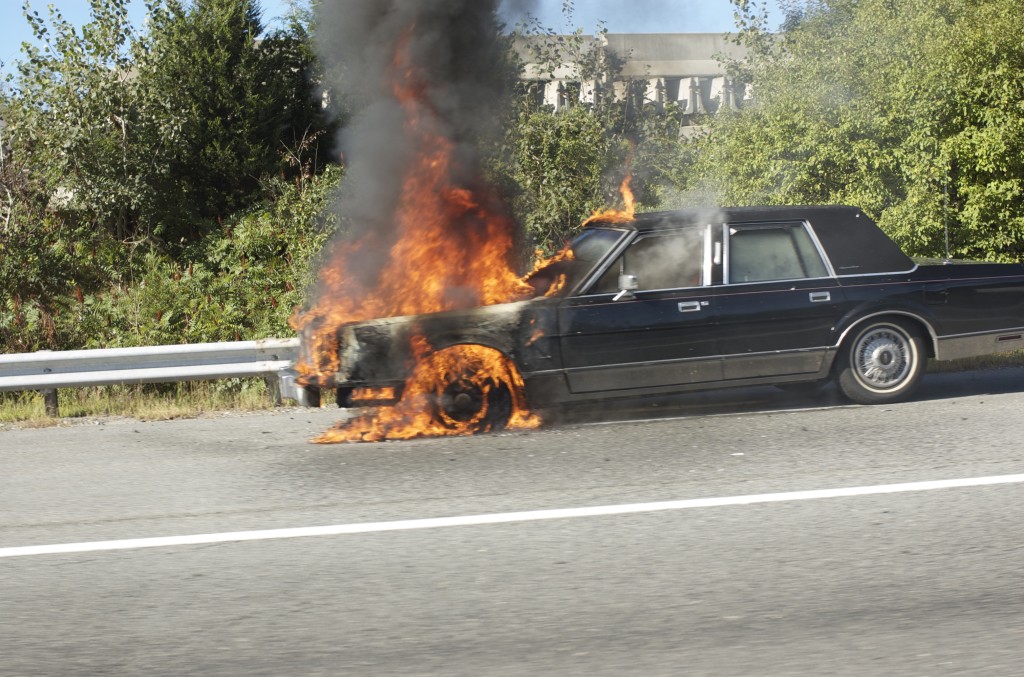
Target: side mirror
<point>627,285</point>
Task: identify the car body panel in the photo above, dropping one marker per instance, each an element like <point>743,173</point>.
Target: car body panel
<point>779,328</point>
<point>660,338</point>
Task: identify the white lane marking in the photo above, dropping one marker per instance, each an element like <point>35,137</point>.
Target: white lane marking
<point>501,518</point>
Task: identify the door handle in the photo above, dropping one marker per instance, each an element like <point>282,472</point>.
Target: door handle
<point>820,296</point>
<point>691,306</point>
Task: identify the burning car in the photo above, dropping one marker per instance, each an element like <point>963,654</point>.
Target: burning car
<point>679,301</point>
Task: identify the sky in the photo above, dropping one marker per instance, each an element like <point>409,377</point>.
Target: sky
<point>619,16</point>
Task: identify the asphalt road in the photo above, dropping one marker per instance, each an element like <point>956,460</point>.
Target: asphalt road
<point>909,583</point>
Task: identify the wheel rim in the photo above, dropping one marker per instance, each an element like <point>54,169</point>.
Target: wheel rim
<point>884,358</point>
<point>472,388</point>
<point>462,400</point>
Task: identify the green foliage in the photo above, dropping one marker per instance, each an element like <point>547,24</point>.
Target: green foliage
<point>239,283</point>
<point>70,124</point>
<point>560,160</point>
<point>563,165</point>
<point>127,158</point>
<point>910,110</point>
<point>153,136</point>
<point>78,118</point>
<point>233,111</point>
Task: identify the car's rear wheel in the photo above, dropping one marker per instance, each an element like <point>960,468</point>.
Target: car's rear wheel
<point>472,390</point>
<point>882,362</point>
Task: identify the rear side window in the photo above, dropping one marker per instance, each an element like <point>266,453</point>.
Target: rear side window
<point>761,253</point>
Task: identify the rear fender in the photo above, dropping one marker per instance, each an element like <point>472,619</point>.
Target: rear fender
<point>925,321</point>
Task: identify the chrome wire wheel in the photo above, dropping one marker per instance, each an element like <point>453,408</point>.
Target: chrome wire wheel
<point>882,363</point>
<point>883,357</point>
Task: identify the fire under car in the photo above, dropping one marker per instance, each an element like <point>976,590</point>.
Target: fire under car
<point>689,300</point>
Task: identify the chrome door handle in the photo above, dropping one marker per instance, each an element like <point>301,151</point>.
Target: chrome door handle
<point>820,296</point>
<point>691,306</point>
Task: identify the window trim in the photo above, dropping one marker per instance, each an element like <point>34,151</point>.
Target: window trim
<point>765,225</point>
<point>598,271</point>
<point>706,240</point>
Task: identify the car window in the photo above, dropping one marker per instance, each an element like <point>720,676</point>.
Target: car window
<point>776,252</point>
<point>588,248</point>
<point>592,244</point>
<point>670,261</point>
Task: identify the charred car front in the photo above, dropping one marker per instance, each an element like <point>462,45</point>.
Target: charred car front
<point>689,300</point>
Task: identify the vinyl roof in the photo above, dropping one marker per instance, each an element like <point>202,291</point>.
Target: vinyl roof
<point>854,243</point>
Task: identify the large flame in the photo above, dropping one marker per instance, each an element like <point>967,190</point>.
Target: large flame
<point>451,250</point>
<point>490,385</point>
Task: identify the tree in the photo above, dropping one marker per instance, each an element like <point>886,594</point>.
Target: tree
<point>68,165</point>
<point>77,117</point>
<point>568,163</point>
<point>560,161</point>
<point>236,105</point>
<point>909,110</point>
<point>154,136</point>
<point>122,149</point>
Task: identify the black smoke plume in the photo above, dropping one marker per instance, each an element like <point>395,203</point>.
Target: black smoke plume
<point>461,66</point>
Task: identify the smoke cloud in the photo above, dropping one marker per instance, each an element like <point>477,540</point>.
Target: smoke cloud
<point>513,11</point>
<point>453,48</point>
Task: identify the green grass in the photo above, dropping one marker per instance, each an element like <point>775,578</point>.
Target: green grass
<point>155,402</point>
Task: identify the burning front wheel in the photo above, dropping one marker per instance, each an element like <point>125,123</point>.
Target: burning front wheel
<point>473,389</point>
<point>883,363</point>
<point>461,390</point>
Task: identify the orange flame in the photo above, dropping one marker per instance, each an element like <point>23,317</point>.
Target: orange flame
<point>386,394</point>
<point>624,215</point>
<point>433,264</point>
<point>492,389</point>
<point>451,250</point>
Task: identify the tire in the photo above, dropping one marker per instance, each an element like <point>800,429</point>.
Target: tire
<point>881,363</point>
<point>342,397</point>
<point>473,390</point>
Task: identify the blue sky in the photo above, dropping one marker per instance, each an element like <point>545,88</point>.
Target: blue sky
<point>620,16</point>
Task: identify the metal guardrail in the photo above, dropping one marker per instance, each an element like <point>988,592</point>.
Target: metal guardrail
<point>46,371</point>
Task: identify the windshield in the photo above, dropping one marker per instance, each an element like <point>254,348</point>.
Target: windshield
<point>592,244</point>
<point>588,248</point>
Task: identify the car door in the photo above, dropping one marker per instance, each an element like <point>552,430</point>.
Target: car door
<point>779,302</point>
<point>660,334</point>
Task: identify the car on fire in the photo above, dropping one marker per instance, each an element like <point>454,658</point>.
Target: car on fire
<point>699,299</point>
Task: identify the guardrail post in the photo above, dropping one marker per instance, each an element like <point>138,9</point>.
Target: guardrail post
<point>274,388</point>
<point>52,407</point>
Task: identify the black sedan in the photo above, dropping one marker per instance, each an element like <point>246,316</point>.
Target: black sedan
<point>700,299</point>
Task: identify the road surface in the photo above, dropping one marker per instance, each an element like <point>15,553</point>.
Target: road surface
<point>925,579</point>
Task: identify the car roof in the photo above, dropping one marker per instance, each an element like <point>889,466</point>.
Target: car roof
<point>652,221</point>
<point>854,243</point>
